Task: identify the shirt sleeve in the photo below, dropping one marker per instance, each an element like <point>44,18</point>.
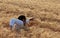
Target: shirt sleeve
<point>27,21</point>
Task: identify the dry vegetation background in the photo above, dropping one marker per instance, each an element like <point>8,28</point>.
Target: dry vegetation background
<point>46,12</point>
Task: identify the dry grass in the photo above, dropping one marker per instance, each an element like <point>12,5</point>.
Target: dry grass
<point>46,12</point>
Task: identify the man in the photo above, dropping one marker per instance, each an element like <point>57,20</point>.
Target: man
<point>20,23</point>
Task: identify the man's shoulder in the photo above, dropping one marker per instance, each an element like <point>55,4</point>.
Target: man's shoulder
<point>19,21</point>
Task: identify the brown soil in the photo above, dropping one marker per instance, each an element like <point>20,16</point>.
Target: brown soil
<point>46,12</point>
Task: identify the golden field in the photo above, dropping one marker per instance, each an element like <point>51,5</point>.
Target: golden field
<point>46,13</point>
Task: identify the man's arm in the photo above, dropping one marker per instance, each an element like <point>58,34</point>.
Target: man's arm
<point>31,18</point>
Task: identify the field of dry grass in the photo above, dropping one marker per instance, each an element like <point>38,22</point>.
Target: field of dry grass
<point>46,12</point>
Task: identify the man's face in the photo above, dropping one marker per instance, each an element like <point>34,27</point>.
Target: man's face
<point>24,20</point>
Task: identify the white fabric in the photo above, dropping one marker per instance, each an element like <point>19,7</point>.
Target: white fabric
<point>17,22</point>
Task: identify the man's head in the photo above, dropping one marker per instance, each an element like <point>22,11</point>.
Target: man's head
<point>22,17</point>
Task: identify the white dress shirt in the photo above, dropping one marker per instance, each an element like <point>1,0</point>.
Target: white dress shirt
<point>19,23</point>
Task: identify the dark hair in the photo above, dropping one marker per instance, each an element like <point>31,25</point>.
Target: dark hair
<point>23,18</point>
